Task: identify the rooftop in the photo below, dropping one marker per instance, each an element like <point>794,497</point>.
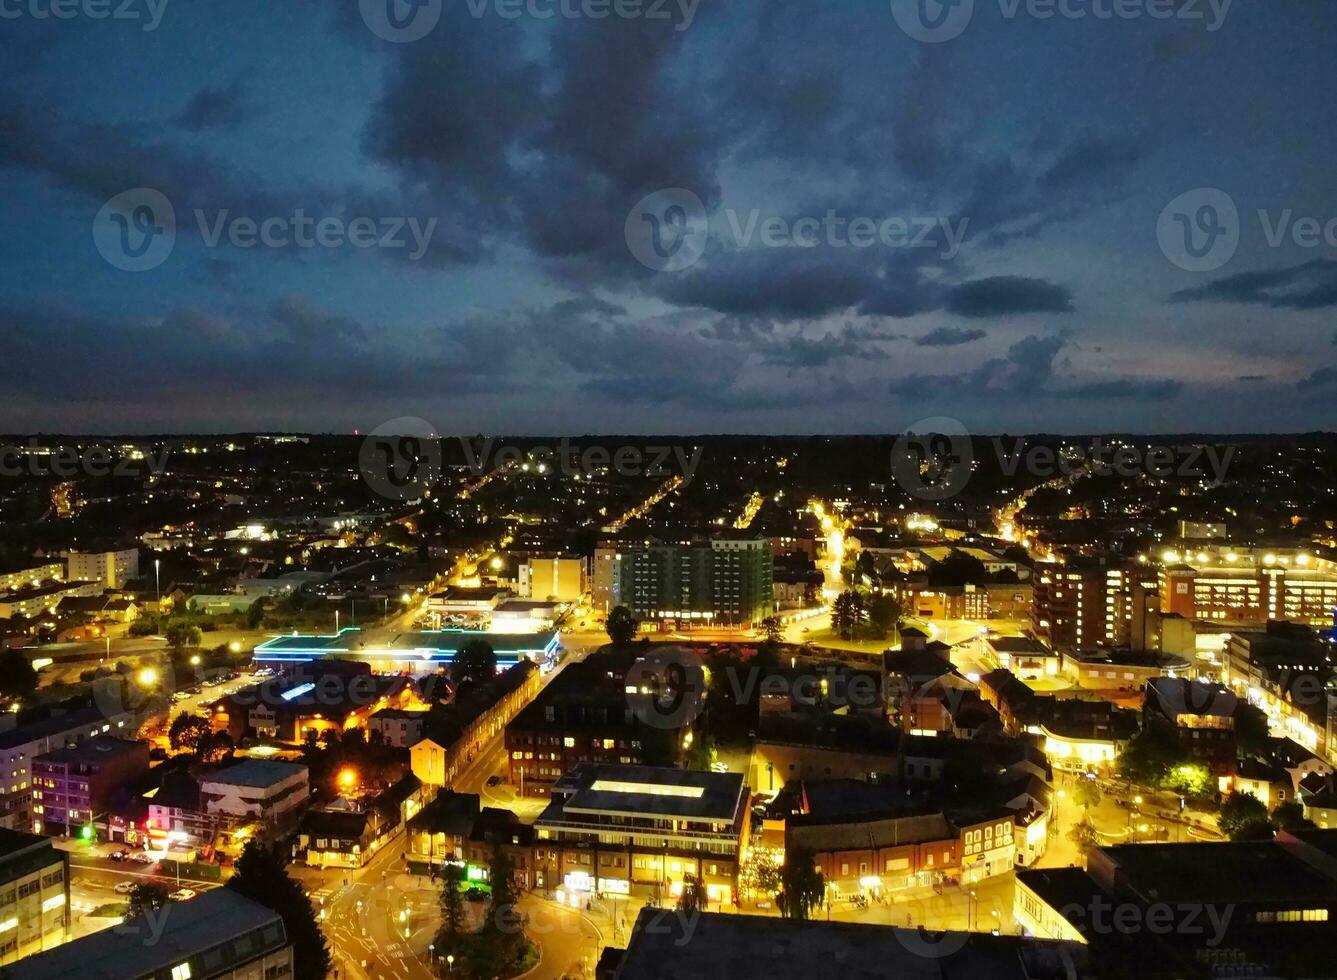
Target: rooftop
<point>254,772</point>
<point>94,750</point>
<point>214,919</point>
<point>648,791</point>
<point>750,947</point>
<point>1244,872</point>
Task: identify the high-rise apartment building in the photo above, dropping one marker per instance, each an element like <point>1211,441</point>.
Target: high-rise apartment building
<point>725,582</point>
<point>34,895</point>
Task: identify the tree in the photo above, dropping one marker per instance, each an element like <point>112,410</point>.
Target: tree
<point>1291,816</point>
<point>181,635</point>
<point>884,615</point>
<point>1087,794</point>
<point>501,876</point>
<point>847,614</point>
<point>760,874</point>
<point>147,896</point>
<point>261,877</point>
<point>255,616</point>
<point>701,753</point>
<point>802,887</point>
<point>214,747</point>
<point>621,626</point>
<point>475,663</point>
<point>1242,817</point>
<point>452,906</point>
<point>1149,756</point>
<point>186,732</point>
<point>773,628</point>
<point>1083,834</point>
<point>693,897</point>
<point>18,680</point>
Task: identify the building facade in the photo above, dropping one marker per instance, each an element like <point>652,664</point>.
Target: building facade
<point>34,895</point>
<point>110,569</point>
<point>723,583</point>
<point>73,786</point>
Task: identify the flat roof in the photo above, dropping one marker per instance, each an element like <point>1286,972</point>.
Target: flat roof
<point>95,750</point>
<point>1244,872</point>
<point>254,772</point>
<point>654,791</point>
<point>755,947</point>
<point>188,929</point>
<point>434,646</point>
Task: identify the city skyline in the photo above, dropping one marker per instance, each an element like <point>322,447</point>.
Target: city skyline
<point>532,218</point>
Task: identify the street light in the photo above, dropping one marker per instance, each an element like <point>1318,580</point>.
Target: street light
<point>148,677</point>
<point>450,961</point>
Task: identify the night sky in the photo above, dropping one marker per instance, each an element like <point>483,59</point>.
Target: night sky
<point>1087,167</point>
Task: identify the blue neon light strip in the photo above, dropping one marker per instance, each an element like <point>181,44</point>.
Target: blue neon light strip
<point>297,691</point>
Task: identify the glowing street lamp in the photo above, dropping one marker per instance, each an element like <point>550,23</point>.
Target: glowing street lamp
<point>348,778</point>
<point>148,677</point>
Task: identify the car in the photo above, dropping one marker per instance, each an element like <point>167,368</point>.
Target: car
<point>143,857</point>
<point>494,780</point>
<point>718,767</point>
<point>182,895</point>
<point>117,855</point>
<point>124,887</point>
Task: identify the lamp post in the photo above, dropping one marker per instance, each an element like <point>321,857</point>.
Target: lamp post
<point>157,581</point>
<point>450,962</point>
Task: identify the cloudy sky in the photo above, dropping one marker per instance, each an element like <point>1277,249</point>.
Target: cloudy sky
<point>743,216</point>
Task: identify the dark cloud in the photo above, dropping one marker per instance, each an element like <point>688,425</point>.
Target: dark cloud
<point>216,108</point>
<point>1007,296</point>
<point>1091,159</point>
<point>948,337</point>
<point>1309,286</point>
<point>1028,370</point>
<point>1322,378</point>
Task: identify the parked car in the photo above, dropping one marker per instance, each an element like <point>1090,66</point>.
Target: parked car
<point>494,780</point>
<point>476,895</point>
<point>143,857</point>
<point>124,887</point>
<point>182,895</point>
<point>117,855</point>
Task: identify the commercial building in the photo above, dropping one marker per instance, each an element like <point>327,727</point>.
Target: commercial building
<point>348,834</point>
<point>1285,669</point>
<point>1025,656</point>
<point>19,746</point>
<point>261,790</point>
<point>1247,908</point>
<point>1248,585</point>
<point>1119,668</point>
<point>73,786</point>
<point>439,833</point>
<point>723,583</point>
<point>459,605</point>
<point>34,895</point>
<point>409,652</point>
<point>664,946</point>
<point>109,569</point>
<point>325,696</point>
<point>218,935</point>
<point>524,616</point>
<point>641,830</point>
<point>554,578</point>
